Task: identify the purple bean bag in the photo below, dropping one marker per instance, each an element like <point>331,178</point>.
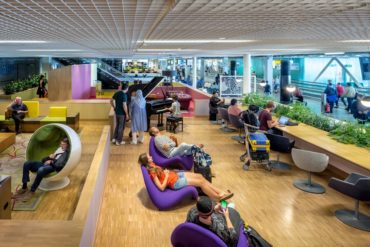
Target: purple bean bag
<point>167,198</point>
<point>160,160</point>
<point>191,235</point>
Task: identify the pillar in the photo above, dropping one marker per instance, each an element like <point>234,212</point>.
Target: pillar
<point>268,75</point>
<point>247,73</point>
<point>195,60</point>
<point>284,81</point>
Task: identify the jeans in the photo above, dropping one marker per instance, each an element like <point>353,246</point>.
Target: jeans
<point>120,127</point>
<point>331,104</point>
<point>349,101</point>
<point>18,118</point>
<point>236,220</point>
<point>182,149</point>
<point>35,166</point>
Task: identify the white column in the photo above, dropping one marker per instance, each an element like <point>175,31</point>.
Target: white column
<point>268,70</point>
<point>247,73</point>
<point>195,60</point>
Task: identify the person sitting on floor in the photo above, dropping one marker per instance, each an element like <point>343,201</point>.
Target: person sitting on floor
<point>53,163</point>
<point>234,108</point>
<point>224,222</point>
<point>175,112</point>
<point>19,111</point>
<point>178,179</point>
<point>169,147</point>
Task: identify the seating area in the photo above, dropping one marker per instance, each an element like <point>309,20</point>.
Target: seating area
<point>34,120</point>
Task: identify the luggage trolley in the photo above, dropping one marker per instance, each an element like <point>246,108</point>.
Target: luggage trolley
<point>257,146</point>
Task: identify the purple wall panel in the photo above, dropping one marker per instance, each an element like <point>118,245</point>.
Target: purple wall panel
<point>81,81</point>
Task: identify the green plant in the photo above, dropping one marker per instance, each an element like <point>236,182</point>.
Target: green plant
<point>257,99</point>
<point>20,85</point>
<point>345,132</point>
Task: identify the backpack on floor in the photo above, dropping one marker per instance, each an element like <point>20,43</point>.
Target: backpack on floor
<point>254,239</point>
<point>204,170</point>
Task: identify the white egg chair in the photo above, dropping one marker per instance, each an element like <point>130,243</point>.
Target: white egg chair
<point>44,142</point>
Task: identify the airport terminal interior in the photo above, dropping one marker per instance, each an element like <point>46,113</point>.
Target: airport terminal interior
<point>185,123</point>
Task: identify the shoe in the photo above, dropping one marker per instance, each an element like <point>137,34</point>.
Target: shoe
<point>226,197</point>
<point>117,143</point>
<point>122,143</point>
<point>113,140</point>
<point>19,193</point>
<point>133,143</point>
<point>27,196</point>
<point>142,141</point>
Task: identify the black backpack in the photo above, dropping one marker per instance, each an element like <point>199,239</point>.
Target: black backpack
<point>250,118</point>
<point>254,239</point>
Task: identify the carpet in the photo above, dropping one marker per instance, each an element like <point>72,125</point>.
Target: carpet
<point>29,205</point>
<point>11,163</point>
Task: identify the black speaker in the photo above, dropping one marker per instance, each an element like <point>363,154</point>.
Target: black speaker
<point>232,67</point>
<point>284,81</point>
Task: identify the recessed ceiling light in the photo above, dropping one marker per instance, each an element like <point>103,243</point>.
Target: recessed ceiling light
<point>51,50</point>
<point>198,41</point>
<point>22,41</point>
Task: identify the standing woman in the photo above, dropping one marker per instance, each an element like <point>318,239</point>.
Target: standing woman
<point>138,117</point>
<point>41,90</point>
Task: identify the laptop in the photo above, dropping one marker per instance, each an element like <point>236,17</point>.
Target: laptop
<point>284,121</point>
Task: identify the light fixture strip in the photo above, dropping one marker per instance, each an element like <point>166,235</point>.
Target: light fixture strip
<point>22,41</point>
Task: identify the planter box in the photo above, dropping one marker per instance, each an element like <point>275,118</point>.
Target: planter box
<point>25,95</point>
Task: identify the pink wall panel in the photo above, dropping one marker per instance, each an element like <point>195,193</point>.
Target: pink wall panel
<point>81,81</point>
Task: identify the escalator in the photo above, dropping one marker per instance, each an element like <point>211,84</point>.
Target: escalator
<point>109,76</point>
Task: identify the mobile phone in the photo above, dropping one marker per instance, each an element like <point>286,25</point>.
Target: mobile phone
<point>224,204</point>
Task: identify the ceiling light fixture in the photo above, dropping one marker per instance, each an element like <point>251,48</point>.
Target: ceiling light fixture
<point>22,41</point>
<point>356,41</point>
<point>50,50</point>
<point>179,49</point>
<point>288,49</point>
<point>334,53</point>
<point>198,41</point>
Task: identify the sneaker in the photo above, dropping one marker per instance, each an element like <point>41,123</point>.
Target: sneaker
<point>122,142</point>
<point>133,143</point>
<point>117,143</point>
<point>113,140</point>
<point>27,196</point>
<point>19,193</point>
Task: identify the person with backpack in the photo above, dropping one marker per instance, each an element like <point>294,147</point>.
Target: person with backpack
<point>331,95</point>
<point>250,116</point>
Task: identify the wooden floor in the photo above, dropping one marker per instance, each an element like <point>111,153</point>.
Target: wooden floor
<point>268,201</point>
<point>61,204</point>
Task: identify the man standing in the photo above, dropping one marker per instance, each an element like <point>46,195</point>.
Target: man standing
<point>214,102</point>
<point>119,104</point>
<point>19,111</point>
<point>340,92</point>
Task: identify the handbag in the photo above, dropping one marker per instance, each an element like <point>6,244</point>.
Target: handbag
<point>255,239</point>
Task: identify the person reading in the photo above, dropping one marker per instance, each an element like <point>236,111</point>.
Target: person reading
<point>19,111</point>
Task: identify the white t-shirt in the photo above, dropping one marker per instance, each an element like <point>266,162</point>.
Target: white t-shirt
<point>175,108</point>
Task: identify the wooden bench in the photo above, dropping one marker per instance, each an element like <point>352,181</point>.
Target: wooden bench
<point>29,125</point>
<point>346,157</point>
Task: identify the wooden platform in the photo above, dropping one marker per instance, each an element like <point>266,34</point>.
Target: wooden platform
<point>76,227</point>
<point>6,140</point>
<point>346,157</point>
<point>284,215</point>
